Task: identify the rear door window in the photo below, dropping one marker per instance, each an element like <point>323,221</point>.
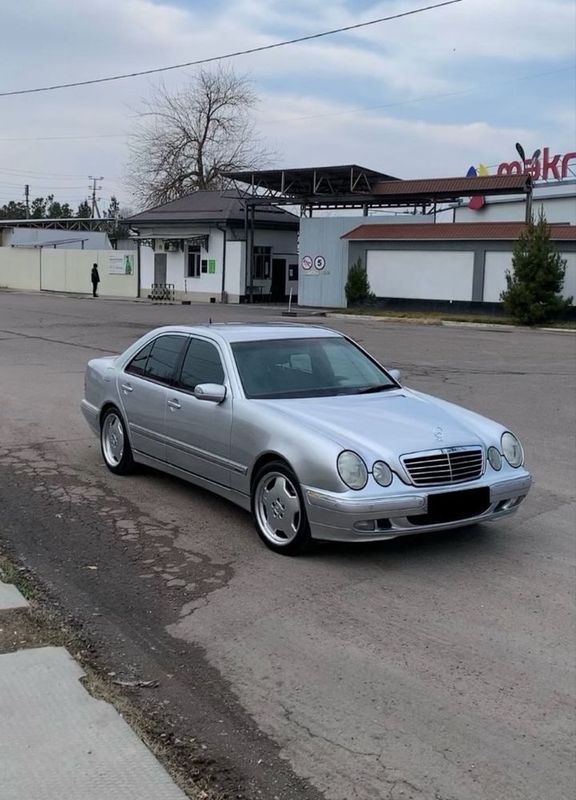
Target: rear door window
<point>160,359</point>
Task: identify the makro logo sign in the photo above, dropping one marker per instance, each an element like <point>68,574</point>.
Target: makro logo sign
<point>542,166</point>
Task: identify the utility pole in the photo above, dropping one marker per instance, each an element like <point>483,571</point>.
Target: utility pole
<point>27,196</point>
<point>95,188</point>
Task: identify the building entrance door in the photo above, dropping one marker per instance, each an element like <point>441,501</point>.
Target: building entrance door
<point>160,268</point>
<point>278,285</point>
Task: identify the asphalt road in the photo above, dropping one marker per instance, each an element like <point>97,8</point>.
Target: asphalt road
<point>440,666</point>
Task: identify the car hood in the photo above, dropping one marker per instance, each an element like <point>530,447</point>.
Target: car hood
<point>390,423</point>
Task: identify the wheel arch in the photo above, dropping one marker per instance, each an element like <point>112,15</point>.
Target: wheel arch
<point>268,458</point>
<point>107,407</point>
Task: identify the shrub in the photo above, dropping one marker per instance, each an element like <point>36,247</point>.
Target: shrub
<point>358,286</point>
<point>534,286</point>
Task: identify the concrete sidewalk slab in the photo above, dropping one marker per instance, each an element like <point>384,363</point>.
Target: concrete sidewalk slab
<point>57,742</point>
<point>11,598</point>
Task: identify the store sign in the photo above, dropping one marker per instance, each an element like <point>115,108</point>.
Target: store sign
<point>543,166</point>
<point>121,265</point>
<point>546,167</point>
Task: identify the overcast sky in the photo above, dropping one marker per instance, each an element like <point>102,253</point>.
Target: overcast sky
<point>427,95</point>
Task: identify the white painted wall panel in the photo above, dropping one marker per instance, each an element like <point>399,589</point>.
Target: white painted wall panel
<point>570,277</point>
<point>421,274</point>
<point>495,270</point>
<point>62,270</point>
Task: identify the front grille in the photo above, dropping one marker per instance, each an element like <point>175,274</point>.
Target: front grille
<point>451,465</point>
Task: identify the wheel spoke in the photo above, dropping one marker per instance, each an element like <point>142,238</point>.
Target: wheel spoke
<point>277,508</point>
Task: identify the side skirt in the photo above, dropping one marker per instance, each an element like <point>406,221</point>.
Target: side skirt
<point>233,495</point>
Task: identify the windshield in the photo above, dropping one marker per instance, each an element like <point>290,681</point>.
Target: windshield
<point>320,367</point>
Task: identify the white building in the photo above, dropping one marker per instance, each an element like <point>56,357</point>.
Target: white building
<point>557,199</point>
<point>197,246</point>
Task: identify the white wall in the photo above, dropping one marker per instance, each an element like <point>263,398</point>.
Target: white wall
<point>321,235</point>
<point>66,271</point>
<point>497,263</point>
<point>558,201</point>
<point>283,244</point>
<point>206,285</point>
<point>495,267</point>
<point>19,269</point>
<point>421,274</point>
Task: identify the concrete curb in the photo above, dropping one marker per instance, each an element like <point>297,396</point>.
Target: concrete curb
<point>11,598</point>
<point>450,323</point>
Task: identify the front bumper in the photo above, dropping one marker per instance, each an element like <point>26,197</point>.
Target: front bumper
<point>340,517</point>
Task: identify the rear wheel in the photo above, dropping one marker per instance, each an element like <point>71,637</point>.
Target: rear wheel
<point>279,511</point>
<point>116,449</point>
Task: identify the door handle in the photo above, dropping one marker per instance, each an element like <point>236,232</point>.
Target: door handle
<point>174,404</point>
<point>126,388</point>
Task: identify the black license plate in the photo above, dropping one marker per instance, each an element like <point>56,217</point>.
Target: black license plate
<point>452,506</point>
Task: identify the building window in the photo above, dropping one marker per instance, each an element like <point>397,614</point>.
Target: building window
<point>261,261</point>
<point>193,262</point>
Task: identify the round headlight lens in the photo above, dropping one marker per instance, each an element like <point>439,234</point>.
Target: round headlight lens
<point>382,473</point>
<point>352,470</point>
<point>494,458</point>
<point>512,449</point>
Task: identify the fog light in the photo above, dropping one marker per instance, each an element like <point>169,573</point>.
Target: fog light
<point>365,525</point>
<point>494,458</point>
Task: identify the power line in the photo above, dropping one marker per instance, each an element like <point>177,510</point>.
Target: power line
<point>230,55</point>
<point>49,138</point>
<point>284,120</point>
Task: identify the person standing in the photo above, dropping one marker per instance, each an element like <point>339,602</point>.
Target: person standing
<point>95,276</point>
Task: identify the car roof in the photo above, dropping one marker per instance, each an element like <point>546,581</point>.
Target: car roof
<point>250,331</point>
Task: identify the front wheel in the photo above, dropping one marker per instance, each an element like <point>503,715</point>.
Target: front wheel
<point>116,449</point>
<point>279,511</point>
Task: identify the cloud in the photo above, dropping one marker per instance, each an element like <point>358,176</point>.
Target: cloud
<point>460,48</point>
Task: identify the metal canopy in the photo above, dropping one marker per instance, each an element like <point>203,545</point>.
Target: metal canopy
<point>351,186</point>
<point>308,182</point>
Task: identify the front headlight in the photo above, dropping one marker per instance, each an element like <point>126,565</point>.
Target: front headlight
<point>352,469</point>
<point>382,473</point>
<point>495,458</point>
<point>512,449</point>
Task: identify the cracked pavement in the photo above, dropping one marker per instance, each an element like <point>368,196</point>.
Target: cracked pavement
<point>433,667</point>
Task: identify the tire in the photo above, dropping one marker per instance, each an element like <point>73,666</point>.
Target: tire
<point>114,443</point>
<point>278,510</point>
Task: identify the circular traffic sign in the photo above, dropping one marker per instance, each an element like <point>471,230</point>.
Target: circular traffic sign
<point>319,262</point>
<point>306,262</point>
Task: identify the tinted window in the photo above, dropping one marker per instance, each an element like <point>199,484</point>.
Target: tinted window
<point>306,368</point>
<point>201,364</point>
<point>164,357</point>
<point>138,364</point>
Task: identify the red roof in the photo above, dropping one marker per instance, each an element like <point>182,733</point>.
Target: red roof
<point>436,188</point>
<point>454,231</point>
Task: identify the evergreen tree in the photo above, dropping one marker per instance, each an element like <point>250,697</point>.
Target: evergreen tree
<point>358,286</point>
<point>84,209</point>
<point>534,286</point>
<point>38,207</point>
<point>13,210</point>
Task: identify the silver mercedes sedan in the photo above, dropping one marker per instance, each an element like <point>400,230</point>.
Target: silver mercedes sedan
<point>302,427</point>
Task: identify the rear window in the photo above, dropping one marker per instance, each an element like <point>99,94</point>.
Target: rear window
<point>159,359</point>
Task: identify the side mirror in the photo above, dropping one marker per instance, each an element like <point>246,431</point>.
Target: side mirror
<point>212,392</point>
<point>395,373</point>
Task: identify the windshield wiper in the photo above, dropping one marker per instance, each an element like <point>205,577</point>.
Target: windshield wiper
<point>381,387</point>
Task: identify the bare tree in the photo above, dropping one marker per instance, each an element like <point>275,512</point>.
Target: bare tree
<point>185,141</point>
